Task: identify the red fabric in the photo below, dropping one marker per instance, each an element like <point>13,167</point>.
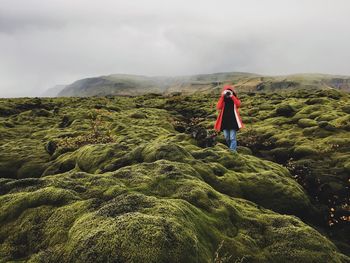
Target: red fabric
<point>221,105</point>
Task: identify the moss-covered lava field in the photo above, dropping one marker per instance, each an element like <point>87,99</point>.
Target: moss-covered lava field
<point>146,179</point>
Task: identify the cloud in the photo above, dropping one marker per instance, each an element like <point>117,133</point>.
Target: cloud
<point>44,43</point>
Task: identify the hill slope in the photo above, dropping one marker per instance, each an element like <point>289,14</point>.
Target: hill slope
<point>120,84</point>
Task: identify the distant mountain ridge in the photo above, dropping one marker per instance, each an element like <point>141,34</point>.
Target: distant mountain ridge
<point>126,84</point>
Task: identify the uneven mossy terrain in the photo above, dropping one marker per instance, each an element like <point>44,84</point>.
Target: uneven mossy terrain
<point>305,131</point>
<point>127,179</point>
<point>308,132</point>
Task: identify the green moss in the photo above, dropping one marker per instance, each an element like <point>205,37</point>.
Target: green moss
<point>281,154</point>
<point>343,123</point>
<point>138,115</point>
<point>90,157</point>
<point>304,123</point>
<point>61,220</point>
<point>31,169</point>
<point>315,114</point>
<point>168,151</point>
<point>244,150</point>
<point>302,151</point>
<point>326,125</point>
<point>155,196</point>
<point>148,237</point>
<point>325,118</point>
<point>316,101</point>
<point>14,204</point>
<point>24,237</point>
<point>310,131</point>
<point>63,163</point>
<point>346,109</point>
<point>285,110</point>
<point>347,167</point>
<point>285,251</point>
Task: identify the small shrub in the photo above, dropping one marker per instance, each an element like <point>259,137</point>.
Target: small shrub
<point>98,133</point>
<point>221,258</point>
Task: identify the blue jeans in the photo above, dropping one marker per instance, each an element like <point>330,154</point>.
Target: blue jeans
<point>230,136</point>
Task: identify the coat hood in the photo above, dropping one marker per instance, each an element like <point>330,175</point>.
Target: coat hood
<point>228,87</point>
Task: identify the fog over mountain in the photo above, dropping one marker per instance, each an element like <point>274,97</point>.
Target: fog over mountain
<point>43,43</point>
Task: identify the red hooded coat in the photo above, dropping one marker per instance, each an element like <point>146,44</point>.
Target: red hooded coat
<point>221,106</point>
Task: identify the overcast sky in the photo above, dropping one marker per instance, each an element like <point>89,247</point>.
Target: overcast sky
<point>44,43</point>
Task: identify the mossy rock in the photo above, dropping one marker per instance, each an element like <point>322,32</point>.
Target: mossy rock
<point>62,164</point>
<point>310,131</point>
<point>138,115</point>
<point>6,111</point>
<point>51,147</point>
<point>331,93</point>
<point>347,167</point>
<point>167,151</point>
<point>285,110</point>
<point>244,150</point>
<point>8,169</point>
<point>326,117</point>
<point>339,141</point>
<point>281,154</point>
<point>19,202</point>
<point>315,114</point>
<point>148,236</point>
<point>266,106</point>
<point>326,125</point>
<point>303,151</point>
<point>343,123</point>
<point>91,158</point>
<point>31,169</point>
<point>250,119</point>
<point>8,124</point>
<point>304,123</point>
<point>131,223</point>
<point>315,101</point>
<point>42,113</point>
<point>180,127</point>
<point>271,190</point>
<point>346,108</point>
<point>66,121</point>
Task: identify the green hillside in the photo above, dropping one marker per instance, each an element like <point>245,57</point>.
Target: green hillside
<point>141,179</point>
<point>122,84</point>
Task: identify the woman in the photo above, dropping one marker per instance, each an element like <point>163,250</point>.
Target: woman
<point>229,120</point>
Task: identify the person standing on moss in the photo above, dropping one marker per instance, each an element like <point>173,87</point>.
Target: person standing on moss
<point>229,120</point>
